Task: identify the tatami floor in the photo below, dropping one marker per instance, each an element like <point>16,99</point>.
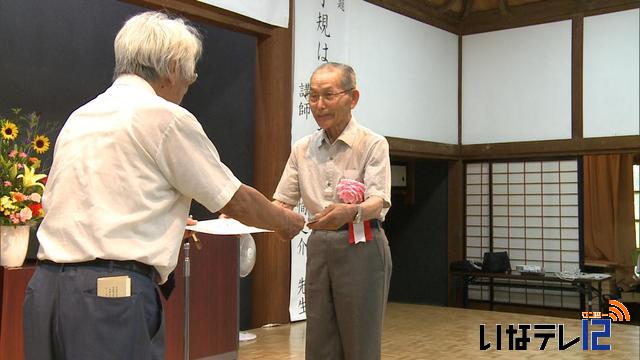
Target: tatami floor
<point>431,332</point>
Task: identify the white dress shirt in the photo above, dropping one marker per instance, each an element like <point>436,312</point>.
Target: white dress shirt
<point>126,166</point>
<point>315,167</point>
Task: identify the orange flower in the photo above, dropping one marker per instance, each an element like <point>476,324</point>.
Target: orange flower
<point>18,196</point>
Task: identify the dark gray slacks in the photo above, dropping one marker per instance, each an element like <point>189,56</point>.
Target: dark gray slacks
<point>64,319</point>
<point>346,289</point>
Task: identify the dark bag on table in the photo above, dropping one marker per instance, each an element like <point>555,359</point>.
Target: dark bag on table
<point>496,262</point>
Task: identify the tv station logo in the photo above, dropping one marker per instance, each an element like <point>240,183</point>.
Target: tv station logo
<point>595,327</point>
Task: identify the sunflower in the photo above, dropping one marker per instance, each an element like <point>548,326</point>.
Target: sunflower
<point>9,130</point>
<point>40,144</point>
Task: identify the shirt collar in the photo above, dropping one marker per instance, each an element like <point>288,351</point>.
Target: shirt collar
<point>134,81</point>
<point>348,135</point>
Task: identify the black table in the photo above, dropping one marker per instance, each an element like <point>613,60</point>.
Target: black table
<point>550,281</point>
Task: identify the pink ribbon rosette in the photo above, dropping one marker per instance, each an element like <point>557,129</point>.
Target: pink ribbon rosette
<point>352,192</point>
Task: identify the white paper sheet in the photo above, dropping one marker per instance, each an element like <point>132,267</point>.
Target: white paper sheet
<point>224,227</point>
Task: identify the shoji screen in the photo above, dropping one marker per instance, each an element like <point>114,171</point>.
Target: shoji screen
<point>529,209</point>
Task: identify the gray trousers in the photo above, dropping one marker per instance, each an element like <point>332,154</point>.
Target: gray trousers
<point>64,319</point>
<point>346,290</point>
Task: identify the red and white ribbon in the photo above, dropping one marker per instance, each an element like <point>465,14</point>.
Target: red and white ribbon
<point>360,232</point>
<point>352,192</point>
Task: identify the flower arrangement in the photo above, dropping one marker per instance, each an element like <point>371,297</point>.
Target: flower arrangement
<point>21,186</point>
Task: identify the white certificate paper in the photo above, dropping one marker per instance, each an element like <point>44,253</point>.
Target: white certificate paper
<point>224,227</point>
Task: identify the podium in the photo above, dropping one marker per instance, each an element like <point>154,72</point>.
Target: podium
<point>13,283</point>
<point>214,310</point>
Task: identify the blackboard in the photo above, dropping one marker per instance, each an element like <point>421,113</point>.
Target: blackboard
<point>56,56</point>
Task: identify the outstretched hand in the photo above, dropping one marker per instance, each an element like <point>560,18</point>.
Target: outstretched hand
<point>292,225</point>
<point>332,217</point>
<point>190,221</point>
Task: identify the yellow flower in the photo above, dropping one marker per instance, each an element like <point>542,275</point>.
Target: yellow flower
<point>6,205</point>
<point>40,144</point>
<point>30,178</point>
<point>9,130</point>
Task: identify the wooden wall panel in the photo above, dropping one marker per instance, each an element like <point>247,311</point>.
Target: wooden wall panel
<point>14,283</point>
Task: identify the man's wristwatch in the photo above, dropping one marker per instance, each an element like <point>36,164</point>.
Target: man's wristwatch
<point>358,218</point>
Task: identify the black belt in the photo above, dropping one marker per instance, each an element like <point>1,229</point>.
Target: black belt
<point>375,224</point>
<point>129,265</point>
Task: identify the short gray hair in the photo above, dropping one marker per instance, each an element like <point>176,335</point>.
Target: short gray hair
<point>348,80</point>
<point>150,42</point>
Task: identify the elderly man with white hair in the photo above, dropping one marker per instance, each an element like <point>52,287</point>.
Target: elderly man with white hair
<point>125,169</point>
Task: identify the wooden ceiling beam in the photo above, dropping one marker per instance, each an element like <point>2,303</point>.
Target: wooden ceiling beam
<point>422,149</point>
<point>524,149</point>
<point>539,13</point>
<point>444,6</point>
<point>466,8</point>
<point>503,6</point>
<point>421,12</point>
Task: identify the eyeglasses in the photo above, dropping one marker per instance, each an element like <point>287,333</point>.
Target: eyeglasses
<point>315,97</point>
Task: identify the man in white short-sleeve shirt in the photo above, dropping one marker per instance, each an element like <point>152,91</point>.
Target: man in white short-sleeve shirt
<point>125,169</point>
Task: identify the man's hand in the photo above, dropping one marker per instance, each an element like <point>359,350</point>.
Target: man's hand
<point>292,224</point>
<point>333,217</point>
<point>250,207</point>
<point>187,233</point>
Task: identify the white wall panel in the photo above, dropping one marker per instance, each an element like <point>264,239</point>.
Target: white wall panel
<point>516,84</point>
<point>407,73</point>
<point>611,83</point>
<point>274,12</point>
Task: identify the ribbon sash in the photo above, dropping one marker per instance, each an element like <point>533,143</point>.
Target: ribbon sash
<point>360,232</point>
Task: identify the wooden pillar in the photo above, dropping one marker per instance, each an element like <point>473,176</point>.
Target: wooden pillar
<point>455,250</point>
<point>577,30</point>
<point>271,274</point>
